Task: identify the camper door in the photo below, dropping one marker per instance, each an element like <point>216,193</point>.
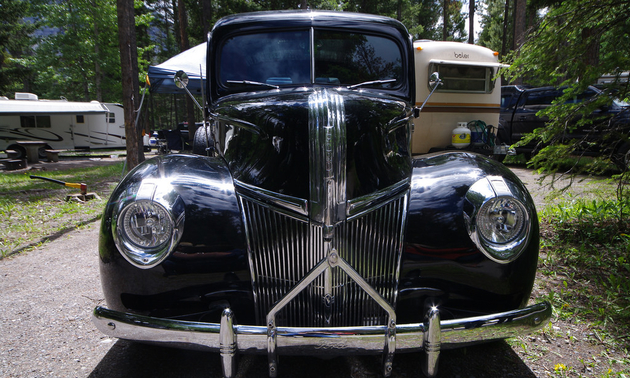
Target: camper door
<point>80,129</point>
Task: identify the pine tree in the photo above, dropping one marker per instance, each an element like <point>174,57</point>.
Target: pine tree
<point>576,43</point>
<point>15,46</point>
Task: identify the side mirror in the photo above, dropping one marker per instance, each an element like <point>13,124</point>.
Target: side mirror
<point>434,80</point>
<point>181,79</point>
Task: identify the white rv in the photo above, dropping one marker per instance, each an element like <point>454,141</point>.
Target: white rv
<point>470,91</point>
<point>60,124</point>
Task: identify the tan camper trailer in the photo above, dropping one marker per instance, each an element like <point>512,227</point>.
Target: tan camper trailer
<point>470,92</point>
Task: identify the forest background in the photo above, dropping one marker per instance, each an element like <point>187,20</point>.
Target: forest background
<point>70,48</point>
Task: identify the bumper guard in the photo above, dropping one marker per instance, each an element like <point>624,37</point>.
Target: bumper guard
<point>227,337</point>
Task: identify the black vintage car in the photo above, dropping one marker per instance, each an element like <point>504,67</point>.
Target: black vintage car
<point>303,225</point>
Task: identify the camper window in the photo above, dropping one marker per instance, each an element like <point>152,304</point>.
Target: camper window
<point>35,121</point>
<point>111,117</point>
<point>464,78</point>
<point>80,118</point>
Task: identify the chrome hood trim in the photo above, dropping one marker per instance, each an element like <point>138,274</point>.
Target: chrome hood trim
<point>327,175</point>
<point>287,237</point>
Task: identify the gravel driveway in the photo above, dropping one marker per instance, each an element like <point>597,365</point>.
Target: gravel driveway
<point>45,330</point>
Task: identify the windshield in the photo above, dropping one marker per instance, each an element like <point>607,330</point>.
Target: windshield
<point>284,58</point>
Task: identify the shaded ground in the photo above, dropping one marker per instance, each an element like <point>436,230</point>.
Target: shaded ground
<point>69,162</point>
<point>45,330</point>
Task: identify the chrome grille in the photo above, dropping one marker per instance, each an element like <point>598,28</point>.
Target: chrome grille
<point>284,247</point>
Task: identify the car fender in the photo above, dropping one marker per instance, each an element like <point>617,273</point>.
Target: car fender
<point>212,241</point>
<point>439,253</point>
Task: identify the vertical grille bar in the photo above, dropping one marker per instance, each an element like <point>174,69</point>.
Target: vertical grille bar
<point>283,249</point>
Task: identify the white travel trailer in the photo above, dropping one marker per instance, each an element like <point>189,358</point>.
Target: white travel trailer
<point>60,124</point>
<point>470,91</point>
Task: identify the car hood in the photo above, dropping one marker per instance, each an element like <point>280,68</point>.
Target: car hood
<point>269,139</point>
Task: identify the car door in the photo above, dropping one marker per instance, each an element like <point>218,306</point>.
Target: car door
<point>525,119</point>
<point>509,99</point>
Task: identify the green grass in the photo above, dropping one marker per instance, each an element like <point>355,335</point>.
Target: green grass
<point>33,210</point>
<point>12,183</point>
<point>577,164</point>
<point>586,255</point>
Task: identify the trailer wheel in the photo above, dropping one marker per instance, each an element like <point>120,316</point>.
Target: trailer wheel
<point>19,150</point>
<point>42,151</point>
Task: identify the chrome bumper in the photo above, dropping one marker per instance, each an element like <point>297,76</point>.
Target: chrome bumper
<point>227,338</point>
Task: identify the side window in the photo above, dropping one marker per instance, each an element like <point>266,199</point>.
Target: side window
<point>111,117</point>
<point>35,121</point>
<point>506,100</point>
<point>582,96</point>
<point>80,118</point>
<point>537,100</point>
<point>43,121</point>
<point>27,121</point>
<point>464,78</point>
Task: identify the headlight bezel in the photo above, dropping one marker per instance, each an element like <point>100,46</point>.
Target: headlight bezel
<point>495,191</point>
<point>152,198</point>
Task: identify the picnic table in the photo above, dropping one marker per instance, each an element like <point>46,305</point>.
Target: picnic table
<point>32,149</point>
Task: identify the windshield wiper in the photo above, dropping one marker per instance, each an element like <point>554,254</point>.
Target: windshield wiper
<point>371,83</point>
<point>247,82</point>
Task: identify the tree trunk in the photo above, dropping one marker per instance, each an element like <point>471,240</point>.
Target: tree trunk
<point>471,21</point>
<point>445,19</point>
<point>130,85</point>
<point>520,21</point>
<point>185,44</point>
<point>176,26</point>
<point>506,17</point>
<point>98,73</point>
<point>206,17</point>
<point>590,37</point>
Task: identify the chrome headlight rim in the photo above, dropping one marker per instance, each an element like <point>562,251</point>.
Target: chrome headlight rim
<point>164,207</point>
<point>509,250</point>
<point>484,195</point>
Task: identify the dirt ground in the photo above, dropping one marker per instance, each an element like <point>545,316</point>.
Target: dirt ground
<point>45,330</point>
<point>68,162</point>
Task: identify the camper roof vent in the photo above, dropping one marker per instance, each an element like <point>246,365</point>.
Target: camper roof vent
<point>25,96</point>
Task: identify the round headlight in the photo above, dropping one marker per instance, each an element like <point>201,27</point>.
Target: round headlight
<point>497,220</point>
<point>501,220</point>
<point>146,224</point>
<point>146,232</point>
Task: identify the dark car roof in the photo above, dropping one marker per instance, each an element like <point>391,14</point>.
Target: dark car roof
<point>515,88</point>
<point>305,17</point>
<point>523,88</point>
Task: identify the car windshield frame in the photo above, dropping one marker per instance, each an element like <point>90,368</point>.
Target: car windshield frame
<point>264,60</point>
